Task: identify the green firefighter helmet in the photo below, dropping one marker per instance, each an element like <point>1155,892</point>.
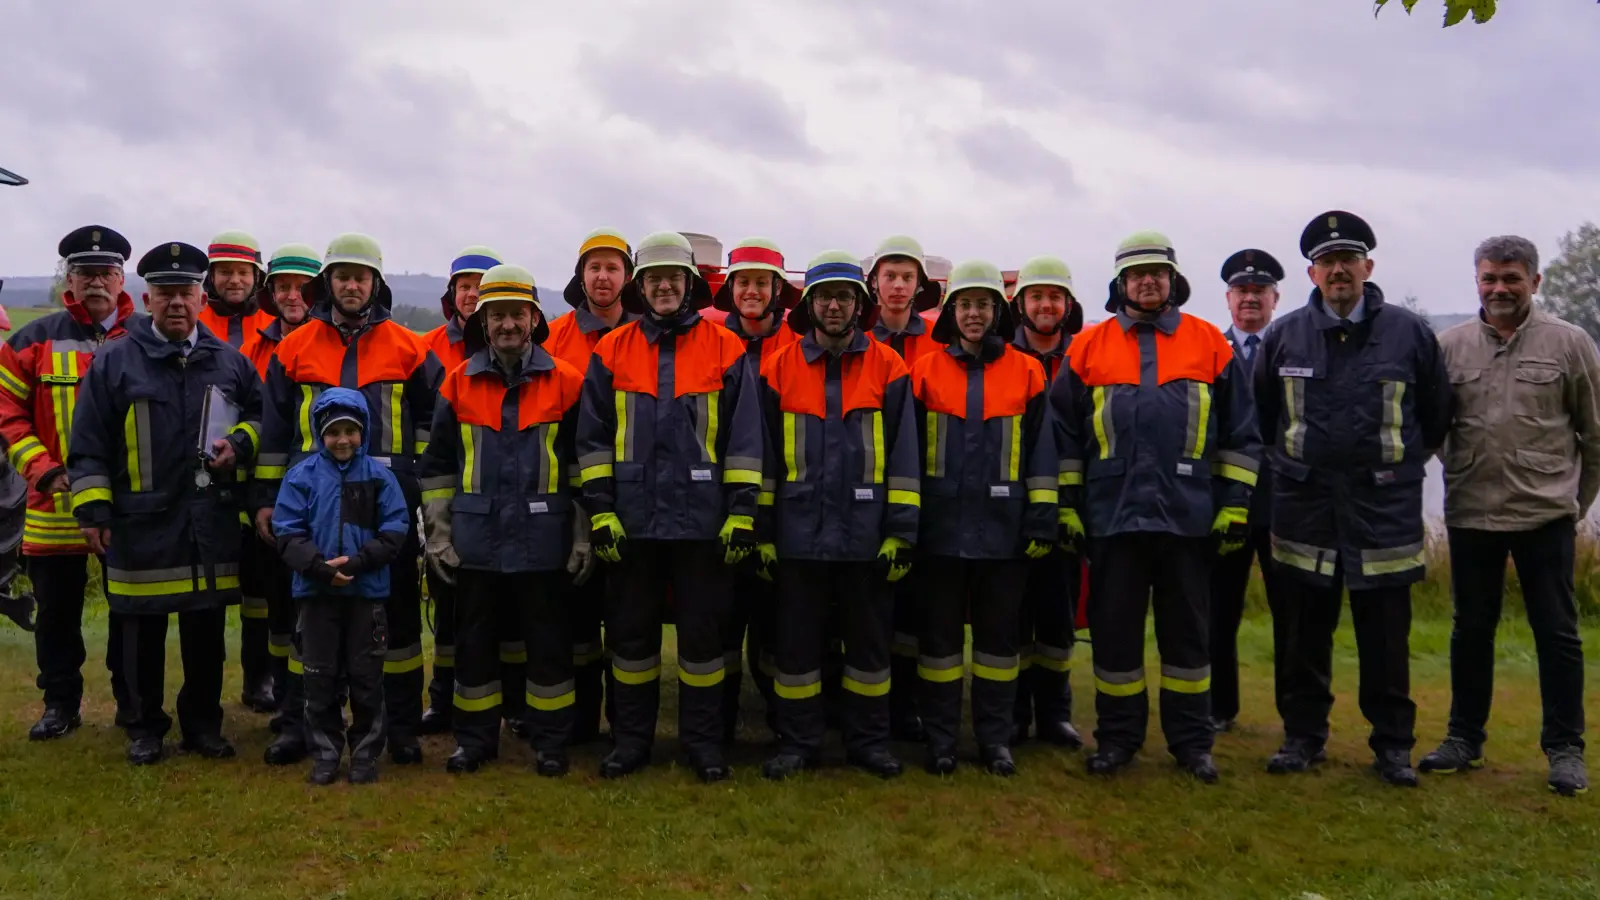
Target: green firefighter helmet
<point>1143,248</point>
<point>979,275</point>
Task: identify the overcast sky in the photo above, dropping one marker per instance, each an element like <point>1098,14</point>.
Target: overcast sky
<point>997,129</point>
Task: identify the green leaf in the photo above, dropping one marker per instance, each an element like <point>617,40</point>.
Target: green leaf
<point>1455,11</point>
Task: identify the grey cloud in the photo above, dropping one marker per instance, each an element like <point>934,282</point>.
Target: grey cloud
<point>1395,92</point>
<point>737,113</point>
<point>1007,153</point>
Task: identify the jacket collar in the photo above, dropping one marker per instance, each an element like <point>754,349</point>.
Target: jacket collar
<point>654,328</point>
<point>918,325</point>
<point>534,360</point>
<point>1535,314</point>
<point>814,351</point>
<point>1166,323</point>
<point>735,324</point>
<point>452,330</point>
<point>1021,343</point>
<point>589,323</point>
<point>1371,305</point>
<point>155,345</point>
<point>226,310</point>
<point>992,348</point>
<point>80,315</point>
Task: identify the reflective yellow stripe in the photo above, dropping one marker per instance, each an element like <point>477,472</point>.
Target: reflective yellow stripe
<point>601,471</point>
<point>645,677</point>
<point>1014,465</point>
<point>1199,417</point>
<point>939,676</point>
<point>693,680</point>
<point>182,586</point>
<point>908,498</point>
<point>1236,473</point>
<point>401,666</point>
<point>130,437</point>
<point>90,496</point>
<point>931,429</point>
<point>397,440</point>
<point>1043,496</point>
<point>249,431</point>
<point>1392,444</point>
<point>621,400</point>
<point>877,447</point>
<point>307,439</point>
<point>296,667</point>
<point>469,453</point>
<point>797,692</point>
<point>992,673</point>
<point>1392,566</point>
<point>713,400</point>
<point>268,473</point>
<point>1294,427</point>
<point>46,519</point>
<point>14,384</point>
<point>475,704</point>
<point>789,450</point>
<point>439,494</point>
<point>741,476</point>
<point>1101,414</point>
<point>550,704</point>
<point>1181,686</point>
<point>553,482</point>
<point>53,538</point>
<point>863,689</point>
<point>23,451</point>
<point>252,612</point>
<point>1130,689</point>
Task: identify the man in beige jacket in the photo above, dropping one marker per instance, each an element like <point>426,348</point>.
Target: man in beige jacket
<point>1522,465</point>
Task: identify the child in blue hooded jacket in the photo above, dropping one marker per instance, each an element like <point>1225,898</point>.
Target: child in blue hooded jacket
<point>340,518</point>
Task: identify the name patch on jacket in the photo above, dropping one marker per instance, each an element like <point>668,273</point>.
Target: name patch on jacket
<point>1296,372</point>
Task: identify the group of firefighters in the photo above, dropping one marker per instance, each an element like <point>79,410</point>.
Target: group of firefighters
<point>824,486</point>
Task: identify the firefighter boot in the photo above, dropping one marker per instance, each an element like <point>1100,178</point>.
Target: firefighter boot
<point>1109,760</point>
<point>997,759</point>
<point>1454,755</point>
<point>1394,767</point>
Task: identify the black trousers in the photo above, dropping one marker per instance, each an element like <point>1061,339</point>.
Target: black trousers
<point>750,633</point>
<point>403,684</point>
<point>1049,632</point>
<point>532,611</point>
<point>1544,559</point>
<point>702,588</point>
<point>144,661</point>
<point>442,682</point>
<point>1230,578</point>
<point>283,615</point>
<point>588,653</point>
<point>255,614</point>
<point>806,590</point>
<point>904,702</point>
<point>1382,618</point>
<point>990,592</point>
<point>345,636</point>
<point>59,584</point>
<point>1129,571</point>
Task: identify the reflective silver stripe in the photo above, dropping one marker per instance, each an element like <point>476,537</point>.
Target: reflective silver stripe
<point>538,437</point>
<point>151,576</point>
<point>1306,557</point>
<point>477,693</point>
<point>637,665</point>
<point>1105,427</point>
<point>272,459</point>
<point>630,408</point>
<point>1043,483</point>
<point>1195,432</point>
<point>381,422</point>
<point>705,434</point>
<point>598,458</point>
<point>869,456</point>
<point>1294,405</point>
<point>1391,560</point>
<point>1200,674</point>
<point>223,570</point>
<point>444,654</point>
<point>805,678</point>
<point>253,602</point>
<point>401,654</point>
<point>551,691</point>
<point>798,448</point>
<point>743,462</point>
<point>854,674</point>
<point>422,435</point>
<point>702,668</point>
<point>58,345</point>
<point>905,484</point>
<point>1007,436</point>
<point>1061,654</point>
<point>1131,677</point>
<point>1233,458</point>
<point>439,483</point>
<point>1391,445</point>
<point>940,662</point>
<point>88,482</point>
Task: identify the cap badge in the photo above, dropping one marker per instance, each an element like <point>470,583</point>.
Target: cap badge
<point>1333,221</point>
<point>175,252</point>
<point>95,236</point>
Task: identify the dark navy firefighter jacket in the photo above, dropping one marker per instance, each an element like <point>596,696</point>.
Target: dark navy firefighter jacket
<point>328,509</point>
<point>1352,411</point>
<point>136,468</point>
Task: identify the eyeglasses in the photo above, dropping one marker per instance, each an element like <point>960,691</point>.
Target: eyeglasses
<point>96,273</point>
<point>839,300</point>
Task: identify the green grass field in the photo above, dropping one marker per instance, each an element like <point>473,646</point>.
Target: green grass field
<point>24,315</point>
<point>76,821</point>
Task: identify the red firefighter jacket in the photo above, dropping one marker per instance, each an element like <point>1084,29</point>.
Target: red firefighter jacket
<point>41,372</point>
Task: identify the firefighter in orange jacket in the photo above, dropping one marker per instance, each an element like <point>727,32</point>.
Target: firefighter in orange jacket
<point>1155,421</point>
<point>902,292</point>
<point>448,343</point>
<point>497,497</point>
<point>351,342</point>
<point>604,268</point>
<point>289,269</point>
<point>41,371</point>
<point>233,313</point>
<point>1049,315</point>
<point>840,420</point>
<point>669,446</point>
<point>753,300</point>
<point>990,481</point>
